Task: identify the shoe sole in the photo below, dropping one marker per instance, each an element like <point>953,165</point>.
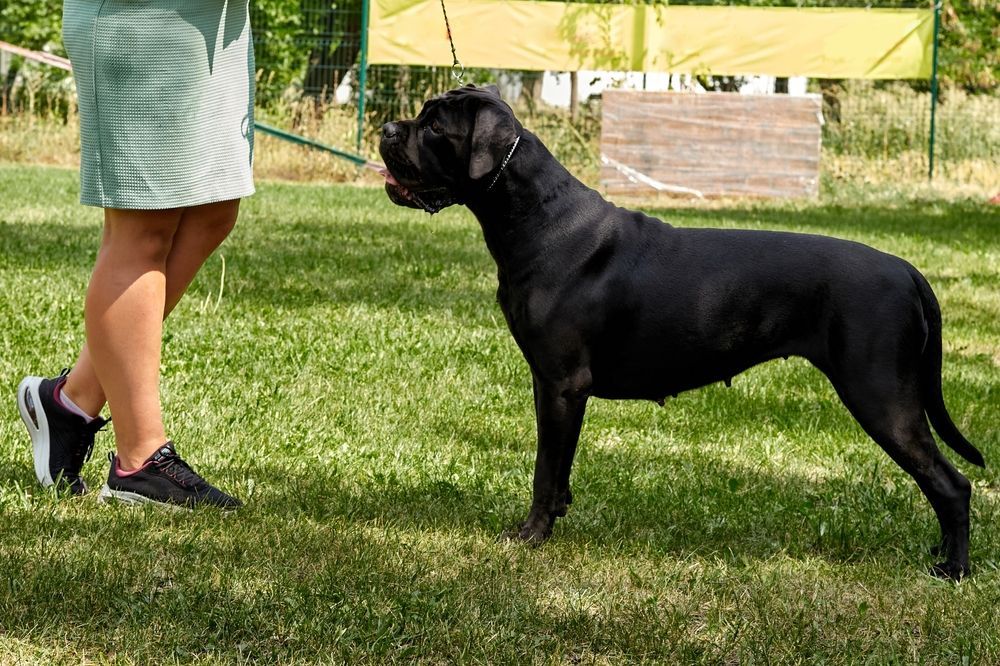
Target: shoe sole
<point>40,433</point>
<point>108,496</point>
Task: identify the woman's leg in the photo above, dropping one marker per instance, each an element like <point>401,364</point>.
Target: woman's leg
<point>124,321</point>
<point>199,233</point>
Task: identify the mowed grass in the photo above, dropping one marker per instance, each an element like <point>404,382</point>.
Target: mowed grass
<point>349,374</point>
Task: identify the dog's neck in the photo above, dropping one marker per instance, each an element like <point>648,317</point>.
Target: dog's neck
<point>511,209</point>
<point>503,164</point>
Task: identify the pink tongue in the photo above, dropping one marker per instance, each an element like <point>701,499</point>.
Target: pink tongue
<point>388,177</point>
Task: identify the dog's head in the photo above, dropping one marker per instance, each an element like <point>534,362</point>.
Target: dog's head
<point>440,157</point>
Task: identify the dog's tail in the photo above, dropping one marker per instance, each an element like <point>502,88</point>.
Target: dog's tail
<point>930,376</point>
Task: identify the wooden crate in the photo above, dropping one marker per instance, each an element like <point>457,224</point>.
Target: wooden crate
<point>715,144</point>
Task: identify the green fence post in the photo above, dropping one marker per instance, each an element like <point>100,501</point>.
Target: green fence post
<point>362,72</point>
<point>934,90</point>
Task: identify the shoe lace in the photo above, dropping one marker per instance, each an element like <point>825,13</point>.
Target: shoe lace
<point>84,448</point>
<point>174,466</point>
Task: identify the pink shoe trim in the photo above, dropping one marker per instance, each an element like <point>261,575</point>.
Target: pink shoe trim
<point>120,472</point>
<point>57,394</point>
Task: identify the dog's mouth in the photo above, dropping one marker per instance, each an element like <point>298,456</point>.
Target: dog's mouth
<point>431,200</point>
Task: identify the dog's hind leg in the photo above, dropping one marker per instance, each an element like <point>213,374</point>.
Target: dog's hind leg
<point>559,410</point>
<point>891,412</point>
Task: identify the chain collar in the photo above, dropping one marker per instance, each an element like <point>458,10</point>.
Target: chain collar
<point>504,165</point>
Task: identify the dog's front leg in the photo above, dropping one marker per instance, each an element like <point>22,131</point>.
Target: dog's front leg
<point>559,409</point>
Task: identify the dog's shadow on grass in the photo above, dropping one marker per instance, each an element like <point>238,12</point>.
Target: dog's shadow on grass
<point>666,505</point>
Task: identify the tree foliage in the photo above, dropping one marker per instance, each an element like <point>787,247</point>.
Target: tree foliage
<point>969,55</point>
<point>35,24</point>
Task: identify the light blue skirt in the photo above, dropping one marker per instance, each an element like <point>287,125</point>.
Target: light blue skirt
<point>166,94</point>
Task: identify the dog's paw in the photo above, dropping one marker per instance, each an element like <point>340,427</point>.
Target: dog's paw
<point>950,571</point>
<point>528,532</point>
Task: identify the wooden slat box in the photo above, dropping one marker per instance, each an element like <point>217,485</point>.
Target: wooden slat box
<point>715,144</point>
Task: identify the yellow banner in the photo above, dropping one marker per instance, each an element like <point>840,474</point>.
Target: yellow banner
<point>778,41</point>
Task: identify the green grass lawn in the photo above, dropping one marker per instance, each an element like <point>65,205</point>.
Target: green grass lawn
<point>353,380</point>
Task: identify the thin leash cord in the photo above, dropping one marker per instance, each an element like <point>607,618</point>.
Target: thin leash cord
<point>457,69</point>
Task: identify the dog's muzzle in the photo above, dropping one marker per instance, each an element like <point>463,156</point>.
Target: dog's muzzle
<point>431,200</point>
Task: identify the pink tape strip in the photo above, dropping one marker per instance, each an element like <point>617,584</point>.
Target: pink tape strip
<point>38,56</point>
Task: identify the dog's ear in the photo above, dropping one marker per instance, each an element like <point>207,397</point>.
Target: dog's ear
<point>493,132</point>
<point>493,90</point>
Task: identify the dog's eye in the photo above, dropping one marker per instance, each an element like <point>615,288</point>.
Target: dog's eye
<point>436,127</point>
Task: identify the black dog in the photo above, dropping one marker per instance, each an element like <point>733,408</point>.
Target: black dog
<point>608,302</point>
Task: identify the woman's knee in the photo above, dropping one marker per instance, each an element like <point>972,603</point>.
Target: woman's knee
<point>219,227</point>
<point>211,223</point>
<point>144,236</point>
<point>214,218</point>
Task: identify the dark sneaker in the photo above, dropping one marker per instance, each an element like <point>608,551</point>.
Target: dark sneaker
<point>61,440</point>
<point>163,479</point>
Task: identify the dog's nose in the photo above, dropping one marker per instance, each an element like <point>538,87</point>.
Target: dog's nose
<point>391,130</point>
